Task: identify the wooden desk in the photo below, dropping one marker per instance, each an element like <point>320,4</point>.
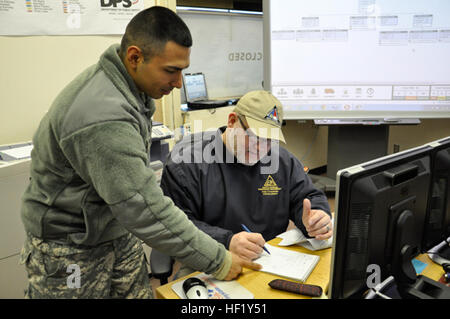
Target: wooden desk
<point>258,282</point>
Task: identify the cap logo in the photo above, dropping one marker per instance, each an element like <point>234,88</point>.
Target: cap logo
<point>273,116</point>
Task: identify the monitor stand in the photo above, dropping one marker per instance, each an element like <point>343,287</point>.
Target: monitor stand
<point>409,285</point>
<point>348,145</point>
<point>352,142</point>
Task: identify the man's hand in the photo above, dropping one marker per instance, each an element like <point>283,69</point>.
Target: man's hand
<point>247,245</point>
<point>237,263</point>
<point>317,222</point>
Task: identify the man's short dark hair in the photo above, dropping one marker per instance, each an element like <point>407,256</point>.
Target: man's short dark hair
<point>152,28</point>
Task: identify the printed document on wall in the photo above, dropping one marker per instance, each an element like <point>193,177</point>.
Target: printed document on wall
<point>66,17</point>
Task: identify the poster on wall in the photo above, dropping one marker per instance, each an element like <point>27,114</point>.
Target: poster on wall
<point>66,17</point>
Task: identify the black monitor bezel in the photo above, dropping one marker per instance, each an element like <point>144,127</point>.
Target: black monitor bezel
<point>344,182</point>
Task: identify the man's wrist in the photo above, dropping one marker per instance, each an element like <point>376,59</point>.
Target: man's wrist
<point>224,269</point>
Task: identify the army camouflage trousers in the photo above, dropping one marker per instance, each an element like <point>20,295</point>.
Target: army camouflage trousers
<point>115,269</point>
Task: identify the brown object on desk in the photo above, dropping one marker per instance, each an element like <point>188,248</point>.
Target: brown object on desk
<point>302,289</point>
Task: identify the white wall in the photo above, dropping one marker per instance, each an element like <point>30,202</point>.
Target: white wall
<point>33,72</point>
<point>34,69</point>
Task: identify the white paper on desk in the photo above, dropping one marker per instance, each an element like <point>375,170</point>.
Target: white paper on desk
<point>296,237</point>
<point>292,237</point>
<point>287,263</point>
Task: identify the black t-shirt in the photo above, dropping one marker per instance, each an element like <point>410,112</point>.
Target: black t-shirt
<point>219,196</point>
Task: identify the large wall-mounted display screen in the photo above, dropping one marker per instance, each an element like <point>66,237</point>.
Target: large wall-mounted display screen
<point>329,59</point>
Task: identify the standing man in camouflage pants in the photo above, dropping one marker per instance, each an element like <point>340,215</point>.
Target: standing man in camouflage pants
<point>92,196</point>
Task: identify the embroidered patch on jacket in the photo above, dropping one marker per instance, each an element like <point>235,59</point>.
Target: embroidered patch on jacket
<point>270,187</point>
<point>273,116</point>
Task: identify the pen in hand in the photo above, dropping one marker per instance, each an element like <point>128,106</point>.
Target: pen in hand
<point>249,231</point>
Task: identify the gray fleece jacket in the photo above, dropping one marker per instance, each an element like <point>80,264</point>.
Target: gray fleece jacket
<point>90,175</point>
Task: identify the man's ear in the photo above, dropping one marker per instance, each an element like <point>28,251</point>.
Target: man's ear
<point>134,56</point>
<point>232,120</point>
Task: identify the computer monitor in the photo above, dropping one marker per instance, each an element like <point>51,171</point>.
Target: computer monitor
<point>381,213</point>
<point>437,227</point>
<point>195,87</point>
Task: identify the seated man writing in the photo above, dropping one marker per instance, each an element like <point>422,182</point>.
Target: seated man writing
<point>240,174</point>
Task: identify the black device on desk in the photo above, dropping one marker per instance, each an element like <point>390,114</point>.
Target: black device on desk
<point>388,211</point>
<point>196,93</point>
<point>195,288</point>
